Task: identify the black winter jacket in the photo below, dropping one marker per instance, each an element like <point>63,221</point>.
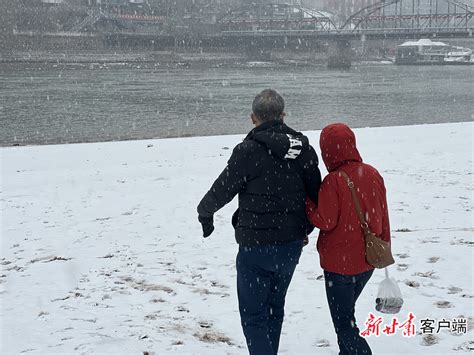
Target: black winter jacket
<point>272,170</point>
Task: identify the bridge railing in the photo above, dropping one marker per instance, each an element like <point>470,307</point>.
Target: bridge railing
<point>354,31</point>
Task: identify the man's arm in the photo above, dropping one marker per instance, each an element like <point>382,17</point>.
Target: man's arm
<point>312,180</point>
<point>311,175</point>
<point>325,216</point>
<point>227,185</point>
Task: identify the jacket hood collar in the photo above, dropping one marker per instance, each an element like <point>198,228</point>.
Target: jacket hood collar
<point>338,146</point>
<point>281,140</point>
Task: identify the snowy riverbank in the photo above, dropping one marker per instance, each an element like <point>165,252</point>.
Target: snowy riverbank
<point>102,252</point>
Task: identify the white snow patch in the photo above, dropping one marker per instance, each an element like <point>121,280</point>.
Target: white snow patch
<point>101,250</point>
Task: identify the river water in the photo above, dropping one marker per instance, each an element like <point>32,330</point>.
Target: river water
<point>46,104</point>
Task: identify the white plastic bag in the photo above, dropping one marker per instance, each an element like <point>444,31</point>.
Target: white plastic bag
<point>389,297</point>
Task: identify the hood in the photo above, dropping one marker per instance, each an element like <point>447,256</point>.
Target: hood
<point>281,140</point>
<point>338,146</point>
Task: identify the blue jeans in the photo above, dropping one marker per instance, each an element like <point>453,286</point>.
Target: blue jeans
<point>342,292</point>
<point>263,275</point>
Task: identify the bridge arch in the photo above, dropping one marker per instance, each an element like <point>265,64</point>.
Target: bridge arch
<point>382,14</point>
<point>411,14</point>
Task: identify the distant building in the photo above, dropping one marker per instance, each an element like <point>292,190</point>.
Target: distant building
<point>345,8</point>
<point>423,51</point>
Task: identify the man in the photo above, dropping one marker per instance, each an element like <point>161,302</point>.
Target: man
<point>272,170</point>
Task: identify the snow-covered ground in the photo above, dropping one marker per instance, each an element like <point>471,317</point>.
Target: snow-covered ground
<point>101,250</point>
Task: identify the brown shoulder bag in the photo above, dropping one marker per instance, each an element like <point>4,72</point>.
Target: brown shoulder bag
<point>378,252</point>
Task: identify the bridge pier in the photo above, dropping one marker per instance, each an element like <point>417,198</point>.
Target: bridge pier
<point>340,54</point>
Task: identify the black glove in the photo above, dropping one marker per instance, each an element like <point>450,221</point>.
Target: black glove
<point>309,229</point>
<point>207,225</point>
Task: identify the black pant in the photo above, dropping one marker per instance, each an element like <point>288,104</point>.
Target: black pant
<point>263,276</point>
<point>342,292</point>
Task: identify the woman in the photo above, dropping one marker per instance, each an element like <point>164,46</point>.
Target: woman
<point>341,244</point>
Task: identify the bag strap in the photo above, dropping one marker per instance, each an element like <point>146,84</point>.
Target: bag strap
<point>363,222</point>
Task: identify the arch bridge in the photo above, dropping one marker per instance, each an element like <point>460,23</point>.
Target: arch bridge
<point>397,19</point>
<point>382,16</point>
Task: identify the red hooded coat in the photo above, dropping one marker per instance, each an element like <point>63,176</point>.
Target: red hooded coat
<point>341,240</point>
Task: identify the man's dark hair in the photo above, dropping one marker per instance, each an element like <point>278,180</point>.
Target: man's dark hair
<point>268,105</point>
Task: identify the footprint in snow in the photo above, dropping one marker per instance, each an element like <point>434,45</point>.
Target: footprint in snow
<point>213,337</point>
<point>153,316</point>
<point>462,242</point>
<point>205,324</point>
<point>402,267</point>
<point>432,240</point>
<point>443,304</point>
<point>402,256</point>
<point>218,284</point>
<point>427,274</point>
<point>182,309</point>
<point>466,346</point>
<point>323,343</point>
<point>429,340</point>
<point>157,300</point>
<point>205,292</point>
<point>16,268</point>
<point>182,282</point>
<point>413,284</point>
<point>42,314</point>
<point>142,285</point>
<point>454,289</point>
<point>433,259</point>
